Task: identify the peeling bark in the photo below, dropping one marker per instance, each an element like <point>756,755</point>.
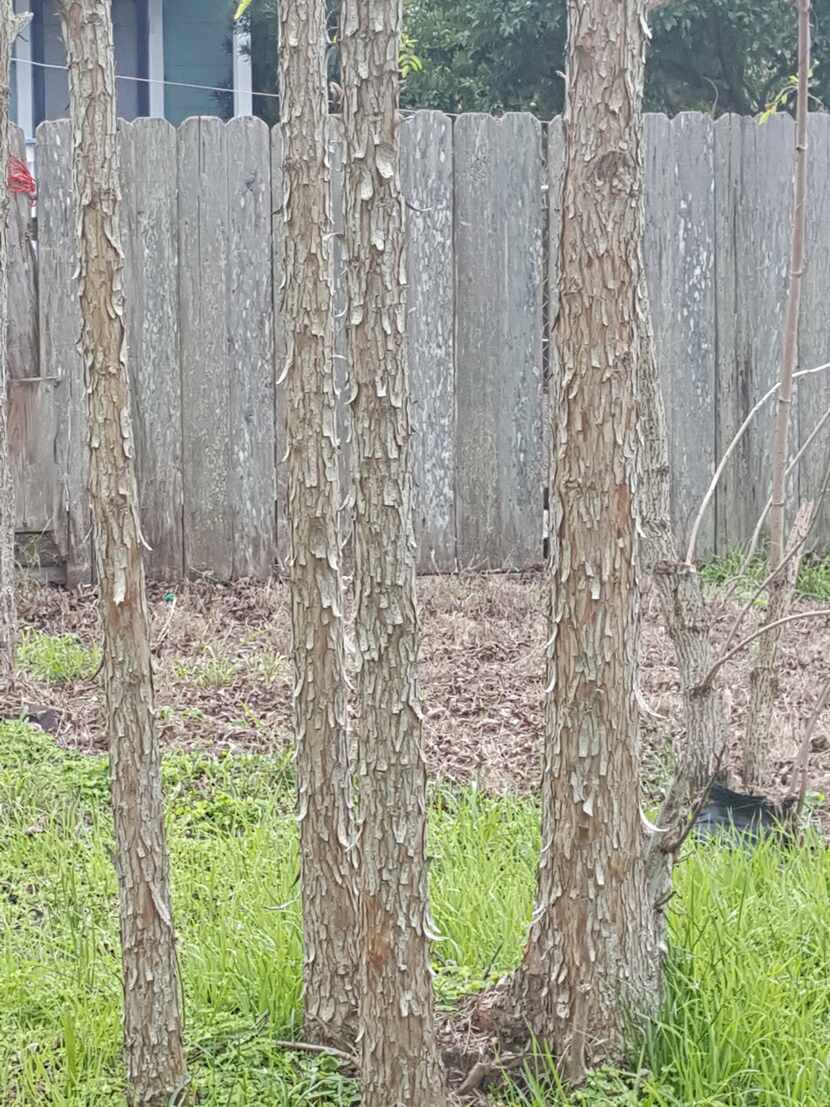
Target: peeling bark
<point>323,772</point>
<point>152,1002</point>
<point>10,27</point>
<point>590,958</point>
<point>400,1066</point>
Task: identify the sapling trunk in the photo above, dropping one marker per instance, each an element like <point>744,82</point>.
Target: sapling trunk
<point>782,585</point>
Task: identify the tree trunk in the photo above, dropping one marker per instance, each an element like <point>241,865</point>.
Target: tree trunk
<point>323,771</point>
<point>399,1060</point>
<point>10,27</point>
<point>590,957</point>
<point>152,1005</point>
<point>781,587</point>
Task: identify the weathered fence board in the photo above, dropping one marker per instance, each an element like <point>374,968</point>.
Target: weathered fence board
<point>31,399</point>
<point>203,228</point>
<point>280,432</point>
<point>249,295</point>
<point>59,318</point>
<point>499,219</point>
<point>754,203</point>
<point>427,182</point>
<point>149,225</point>
<point>553,183</point>
<point>814,332</point>
<point>679,250</point>
<point>203,321</point>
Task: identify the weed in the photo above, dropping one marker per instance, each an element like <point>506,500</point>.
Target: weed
<point>56,658</point>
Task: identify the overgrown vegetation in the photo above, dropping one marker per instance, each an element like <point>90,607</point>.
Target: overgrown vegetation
<point>746,1017</point>
<point>813,577</point>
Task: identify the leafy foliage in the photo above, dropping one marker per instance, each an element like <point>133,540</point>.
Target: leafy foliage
<point>712,55</point>
<point>507,55</point>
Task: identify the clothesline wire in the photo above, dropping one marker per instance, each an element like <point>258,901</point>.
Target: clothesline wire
<point>187,84</point>
<point>148,80</point>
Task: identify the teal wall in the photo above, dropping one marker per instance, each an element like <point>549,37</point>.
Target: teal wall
<point>197,49</point>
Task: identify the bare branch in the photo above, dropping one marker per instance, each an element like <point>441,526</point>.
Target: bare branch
<point>310,1047</point>
<point>823,613</point>
<point>805,520</point>
<point>690,555</point>
<point>756,534</point>
<point>674,847</point>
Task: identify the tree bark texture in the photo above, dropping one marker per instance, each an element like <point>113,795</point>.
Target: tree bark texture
<point>763,680</point>
<point>10,27</point>
<point>590,958</point>
<point>152,1002</point>
<point>399,1060</point>
<point>323,771</point>
<point>686,619</point>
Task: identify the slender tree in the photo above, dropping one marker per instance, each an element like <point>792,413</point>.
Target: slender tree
<point>323,772</point>
<point>399,1058</point>
<point>687,620</point>
<point>781,587</point>
<point>10,27</point>
<point>152,1002</point>
<point>590,958</point>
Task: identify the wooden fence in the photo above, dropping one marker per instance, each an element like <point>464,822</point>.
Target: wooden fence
<point>201,228</point>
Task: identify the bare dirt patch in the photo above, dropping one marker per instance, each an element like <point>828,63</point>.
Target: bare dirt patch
<point>223,677</point>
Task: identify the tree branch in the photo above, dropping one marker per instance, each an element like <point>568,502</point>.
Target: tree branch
<point>792,551</point>
<point>690,554</point>
<point>756,534</point>
<point>823,613</point>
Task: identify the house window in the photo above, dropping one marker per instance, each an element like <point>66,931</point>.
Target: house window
<point>198,50</point>
<point>184,42</point>
<point>50,87</point>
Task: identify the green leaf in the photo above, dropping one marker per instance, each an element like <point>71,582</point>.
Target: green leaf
<point>243,7</point>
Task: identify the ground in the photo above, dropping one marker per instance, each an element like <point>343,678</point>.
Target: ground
<point>746,1013</point>
<point>223,676</point>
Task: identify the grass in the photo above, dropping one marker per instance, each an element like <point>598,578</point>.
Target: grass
<point>213,669</point>
<point>813,577</point>
<point>745,1021</point>
<point>57,659</point>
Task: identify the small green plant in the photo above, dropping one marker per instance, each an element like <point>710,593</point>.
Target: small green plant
<point>813,577</point>
<point>213,669</point>
<point>408,60</point>
<point>210,669</point>
<point>56,658</point>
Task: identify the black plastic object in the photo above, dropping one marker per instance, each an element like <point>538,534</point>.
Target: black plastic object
<point>750,817</point>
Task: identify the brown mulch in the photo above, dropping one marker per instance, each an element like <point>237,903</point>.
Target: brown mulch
<point>223,677</point>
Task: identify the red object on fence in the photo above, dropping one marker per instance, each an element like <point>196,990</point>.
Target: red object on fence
<point>20,179</point>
